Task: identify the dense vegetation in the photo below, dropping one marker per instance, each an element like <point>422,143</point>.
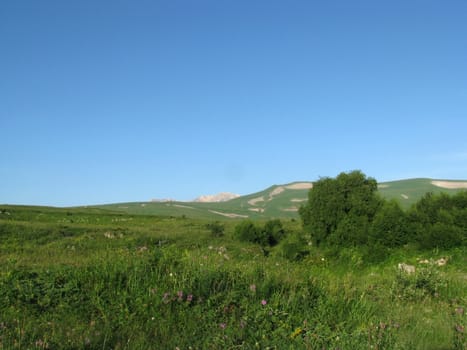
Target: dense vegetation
<point>95,279</point>
<point>278,201</point>
<point>347,211</point>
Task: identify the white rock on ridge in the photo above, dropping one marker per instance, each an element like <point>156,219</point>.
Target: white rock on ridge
<point>220,197</point>
<point>162,200</point>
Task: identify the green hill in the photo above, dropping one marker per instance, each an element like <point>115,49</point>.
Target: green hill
<point>407,192</point>
<point>281,201</point>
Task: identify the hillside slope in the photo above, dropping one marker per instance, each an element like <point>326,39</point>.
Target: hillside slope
<point>407,192</point>
<point>281,201</point>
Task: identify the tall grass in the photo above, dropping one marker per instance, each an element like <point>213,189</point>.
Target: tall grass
<point>166,283</point>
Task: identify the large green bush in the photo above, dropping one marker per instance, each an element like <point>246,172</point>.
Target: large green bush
<point>247,231</point>
<point>346,211</point>
<point>273,231</point>
<point>269,235</point>
<point>440,221</point>
<point>293,247</point>
<point>390,226</point>
<point>339,210</point>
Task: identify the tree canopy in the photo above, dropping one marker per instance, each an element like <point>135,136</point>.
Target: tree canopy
<point>347,211</point>
<point>339,210</point>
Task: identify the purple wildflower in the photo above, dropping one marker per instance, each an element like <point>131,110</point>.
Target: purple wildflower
<point>223,325</point>
<point>189,298</point>
<point>263,302</point>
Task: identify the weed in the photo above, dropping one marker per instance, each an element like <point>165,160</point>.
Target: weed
<point>185,290</point>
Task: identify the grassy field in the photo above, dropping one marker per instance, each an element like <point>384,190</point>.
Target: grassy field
<point>278,201</point>
<point>98,279</point>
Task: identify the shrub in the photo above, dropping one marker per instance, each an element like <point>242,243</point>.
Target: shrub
<point>390,226</point>
<point>376,253</point>
<point>441,235</point>
<point>273,231</point>
<point>217,229</point>
<point>440,220</point>
<point>246,231</point>
<point>292,248</point>
<point>269,235</point>
<point>351,230</point>
<point>426,282</point>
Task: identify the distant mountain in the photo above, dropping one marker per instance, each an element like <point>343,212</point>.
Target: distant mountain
<point>220,197</point>
<point>279,201</point>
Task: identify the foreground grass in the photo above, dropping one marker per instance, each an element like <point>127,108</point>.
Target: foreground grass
<point>98,280</point>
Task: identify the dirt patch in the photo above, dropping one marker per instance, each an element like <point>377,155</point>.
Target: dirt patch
<point>404,196</point>
<point>279,189</point>
<point>290,209</point>
<point>255,200</point>
<point>214,198</point>
<point>229,215</point>
<point>259,210</point>
<point>450,184</point>
<point>276,191</point>
<point>181,206</point>
<point>299,200</point>
<point>300,186</point>
<point>383,186</point>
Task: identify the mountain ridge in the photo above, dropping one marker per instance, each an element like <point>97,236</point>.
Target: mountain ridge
<point>282,201</point>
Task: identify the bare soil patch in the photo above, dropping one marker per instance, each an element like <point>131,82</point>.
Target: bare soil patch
<point>181,206</point>
<point>300,186</point>
<point>450,184</point>
<point>276,191</point>
<point>229,215</point>
<point>259,210</point>
<point>290,209</point>
<point>255,200</point>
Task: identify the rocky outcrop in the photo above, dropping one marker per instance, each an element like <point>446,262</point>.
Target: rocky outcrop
<point>220,197</point>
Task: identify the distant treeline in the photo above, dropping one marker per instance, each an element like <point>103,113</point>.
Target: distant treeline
<point>347,211</point>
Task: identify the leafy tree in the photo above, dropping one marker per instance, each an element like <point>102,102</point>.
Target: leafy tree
<point>442,235</point>
<point>459,210</point>
<point>390,226</point>
<point>440,220</point>
<point>427,208</point>
<point>351,230</point>
<point>340,209</point>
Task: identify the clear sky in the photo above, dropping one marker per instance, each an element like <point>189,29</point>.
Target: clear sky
<point>112,101</point>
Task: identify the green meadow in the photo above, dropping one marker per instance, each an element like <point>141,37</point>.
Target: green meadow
<point>97,279</point>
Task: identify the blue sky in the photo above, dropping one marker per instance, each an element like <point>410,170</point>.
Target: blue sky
<point>112,101</point>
